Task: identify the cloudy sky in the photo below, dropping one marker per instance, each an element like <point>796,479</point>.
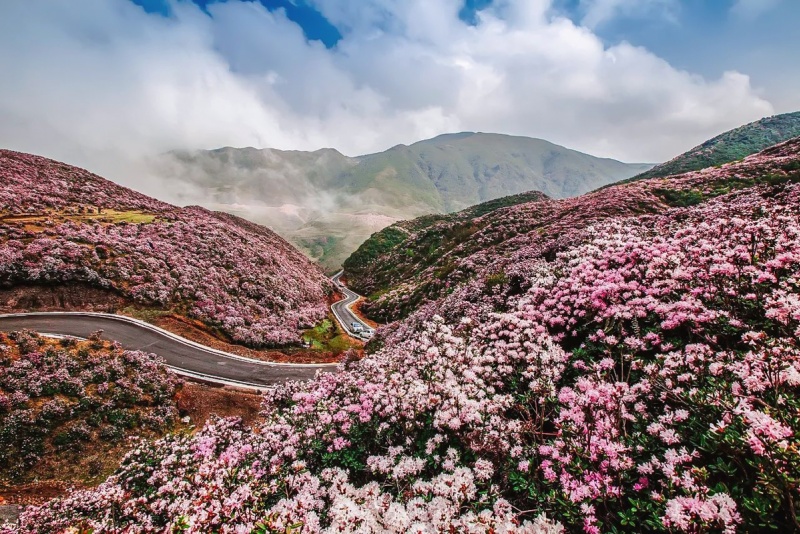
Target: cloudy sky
<point>103,83</point>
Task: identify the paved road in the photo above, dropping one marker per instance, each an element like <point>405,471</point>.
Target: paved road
<point>184,356</point>
<point>341,310</point>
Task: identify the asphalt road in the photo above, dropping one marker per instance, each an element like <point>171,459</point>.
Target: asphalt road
<point>341,309</point>
<point>193,359</point>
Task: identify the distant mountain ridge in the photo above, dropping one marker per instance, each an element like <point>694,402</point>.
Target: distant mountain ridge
<point>731,146</point>
<point>328,203</point>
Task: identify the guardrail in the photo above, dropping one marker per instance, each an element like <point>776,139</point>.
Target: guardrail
<point>178,370</point>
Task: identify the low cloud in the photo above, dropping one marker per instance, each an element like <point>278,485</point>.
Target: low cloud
<point>102,83</point>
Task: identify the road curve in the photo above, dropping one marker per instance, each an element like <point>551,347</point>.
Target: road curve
<point>185,357</point>
<point>341,309</point>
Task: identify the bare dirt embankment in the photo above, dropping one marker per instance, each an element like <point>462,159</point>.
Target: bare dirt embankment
<point>357,310</point>
<point>61,297</point>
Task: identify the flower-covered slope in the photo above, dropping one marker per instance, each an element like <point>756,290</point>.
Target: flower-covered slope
<point>431,261</point>
<point>57,397</point>
<point>641,373</point>
<point>419,242</point>
<point>61,224</point>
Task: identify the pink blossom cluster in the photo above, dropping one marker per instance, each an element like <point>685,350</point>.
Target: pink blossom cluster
<point>226,479</point>
<point>64,394</point>
<point>232,274</point>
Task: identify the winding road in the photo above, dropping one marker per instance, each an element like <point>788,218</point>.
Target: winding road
<point>343,312</point>
<point>185,357</point>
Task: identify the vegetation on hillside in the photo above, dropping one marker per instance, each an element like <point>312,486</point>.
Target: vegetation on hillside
<point>731,146</point>
<point>328,204</point>
<point>59,396</point>
<point>60,224</point>
<point>426,266</point>
<point>424,239</point>
<point>623,365</point>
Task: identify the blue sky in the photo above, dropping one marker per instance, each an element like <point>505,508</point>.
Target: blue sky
<point>99,82</point>
<point>706,36</point>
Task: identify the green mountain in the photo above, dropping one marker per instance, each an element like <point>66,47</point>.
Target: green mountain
<point>426,238</point>
<point>453,171</point>
<point>328,204</point>
<point>731,146</point>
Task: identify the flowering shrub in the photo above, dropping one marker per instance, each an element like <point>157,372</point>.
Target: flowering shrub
<point>234,275</point>
<point>61,395</point>
<point>441,253</point>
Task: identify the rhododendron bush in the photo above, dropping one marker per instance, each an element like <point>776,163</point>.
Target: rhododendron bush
<point>59,395</point>
<point>643,376</point>
<point>234,275</point>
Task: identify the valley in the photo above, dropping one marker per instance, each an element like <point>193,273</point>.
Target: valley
<point>635,346</point>
<point>327,204</point>
<point>399,267</point>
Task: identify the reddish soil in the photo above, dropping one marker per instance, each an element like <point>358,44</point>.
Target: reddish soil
<point>357,310</point>
<point>78,297</point>
<point>56,476</point>
<point>35,493</point>
<point>200,401</point>
<point>356,306</point>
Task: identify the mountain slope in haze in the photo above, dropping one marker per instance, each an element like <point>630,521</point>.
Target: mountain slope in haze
<point>61,226</point>
<point>731,146</point>
<point>421,262</point>
<point>328,204</point>
<point>454,171</point>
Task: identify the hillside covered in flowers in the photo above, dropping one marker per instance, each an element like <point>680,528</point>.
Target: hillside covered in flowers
<point>629,364</point>
<point>58,397</point>
<point>62,225</point>
<point>422,260</point>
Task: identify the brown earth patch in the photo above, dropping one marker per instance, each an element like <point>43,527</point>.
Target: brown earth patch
<point>200,402</point>
<point>75,296</point>
<point>57,475</point>
<point>35,493</point>
<point>357,310</point>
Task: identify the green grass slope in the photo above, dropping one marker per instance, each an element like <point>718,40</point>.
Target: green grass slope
<point>415,245</point>
<point>731,146</point>
<point>413,263</point>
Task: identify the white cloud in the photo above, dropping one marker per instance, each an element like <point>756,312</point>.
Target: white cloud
<point>103,84</point>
